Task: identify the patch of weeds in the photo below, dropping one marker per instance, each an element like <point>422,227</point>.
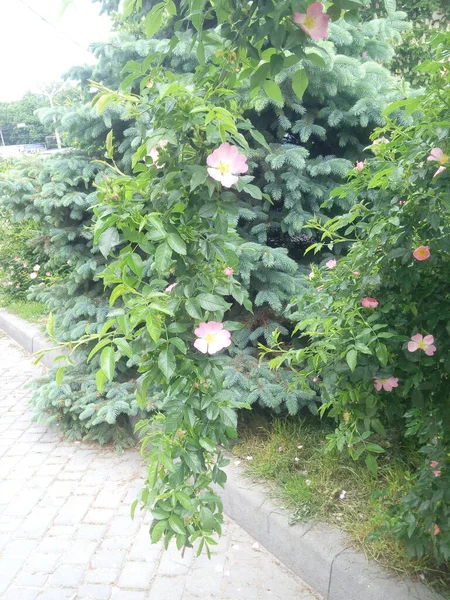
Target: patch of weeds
<point>313,484</point>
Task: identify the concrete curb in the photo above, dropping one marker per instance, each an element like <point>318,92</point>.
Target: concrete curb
<point>318,553</point>
<point>29,336</point>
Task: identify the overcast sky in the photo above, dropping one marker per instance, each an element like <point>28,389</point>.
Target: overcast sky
<point>33,51</point>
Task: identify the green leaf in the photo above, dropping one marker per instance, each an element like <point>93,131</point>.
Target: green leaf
<point>382,354</point>
<point>109,144</point>
<point>51,325</point>
<point>184,500</point>
<point>176,243</point>
<point>59,375</point>
<point>258,136</point>
<point>124,346</point>
<point>259,76</point>
<point>300,82</point>
<point>108,240</point>
<point>371,447</point>
<point>154,326</point>
<point>193,307</point>
<point>108,362</point>
<point>316,59</point>
<point>158,531</point>
<point>100,380</point>
<point>167,363</point>
<point>176,524</point>
<point>154,19</point>
<point>276,64</point>
<point>207,519</point>
<point>212,303</point>
<point>163,257</point>
<point>371,463</point>
<point>351,357</point>
<point>134,261</point>
<point>273,90</point>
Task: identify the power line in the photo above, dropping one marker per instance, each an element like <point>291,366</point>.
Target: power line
<point>52,25</point>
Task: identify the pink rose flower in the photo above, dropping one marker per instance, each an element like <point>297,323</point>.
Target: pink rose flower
<point>225,162</point>
<point>424,343</point>
<point>330,264</point>
<point>228,271</point>
<point>17,286</point>
<point>154,154</point>
<point>434,464</point>
<point>25,264</point>
<point>439,171</point>
<point>437,473</point>
<point>356,273</point>
<point>436,529</point>
<point>170,287</point>
<point>387,383</point>
<point>314,22</point>
<point>401,202</point>
<point>439,156</point>
<point>359,165</point>
<point>369,303</point>
<point>211,337</point>
<point>422,253</point>
<point>17,259</point>
<point>33,275</point>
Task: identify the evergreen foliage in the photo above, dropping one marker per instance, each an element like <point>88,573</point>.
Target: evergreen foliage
<point>312,144</point>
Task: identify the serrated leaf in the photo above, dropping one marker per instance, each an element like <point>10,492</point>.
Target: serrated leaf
<point>108,240</point>
<point>193,307</point>
<point>184,500</point>
<point>212,303</point>
<point>273,90</point>
<point>381,352</point>
<point>176,524</point>
<point>351,357</point>
<point>154,326</point>
<point>108,362</point>
<point>258,136</point>
<point>154,19</point>
<point>300,82</point>
<point>163,257</point>
<point>158,531</point>
<point>100,380</point>
<point>176,243</point>
<point>371,463</point>
<point>167,363</point>
<point>109,144</point>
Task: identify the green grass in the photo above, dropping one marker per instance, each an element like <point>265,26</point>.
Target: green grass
<point>311,484</point>
<point>35,312</point>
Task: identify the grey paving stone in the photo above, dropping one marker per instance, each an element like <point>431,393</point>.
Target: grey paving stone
<point>66,576</point>
<point>66,531</point>
<point>136,575</point>
<point>167,587</point>
<point>92,591</point>
<point>104,576</point>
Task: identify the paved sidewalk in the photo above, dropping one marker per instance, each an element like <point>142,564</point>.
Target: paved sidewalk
<point>66,531</point>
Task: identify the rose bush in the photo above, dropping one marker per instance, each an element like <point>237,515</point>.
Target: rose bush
<point>374,326</point>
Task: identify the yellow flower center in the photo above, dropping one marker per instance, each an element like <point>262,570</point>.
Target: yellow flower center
<point>210,338</point>
<point>223,167</point>
<point>309,22</point>
<point>444,159</point>
<point>422,345</point>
